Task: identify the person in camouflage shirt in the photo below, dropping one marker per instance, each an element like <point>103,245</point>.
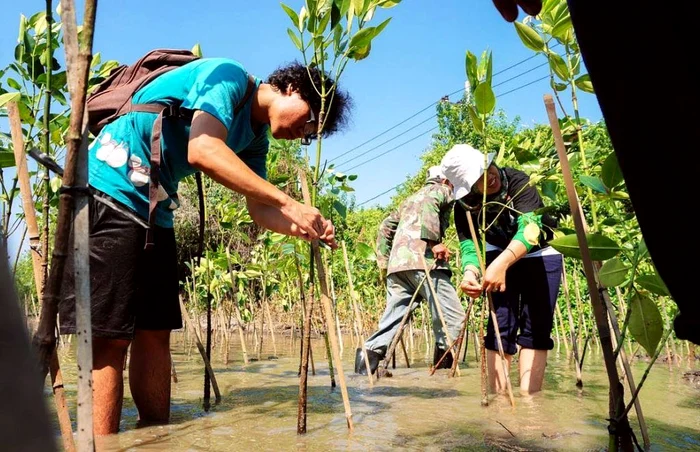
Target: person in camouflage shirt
<point>409,238</point>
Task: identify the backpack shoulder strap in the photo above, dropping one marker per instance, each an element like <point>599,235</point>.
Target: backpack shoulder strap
<point>163,112</point>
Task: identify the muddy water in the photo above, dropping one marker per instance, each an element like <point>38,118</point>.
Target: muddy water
<point>410,411</point>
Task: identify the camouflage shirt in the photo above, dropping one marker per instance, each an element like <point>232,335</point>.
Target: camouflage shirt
<point>425,215</point>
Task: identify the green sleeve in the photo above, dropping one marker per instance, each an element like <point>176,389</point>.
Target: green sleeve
<point>468,254</point>
<point>524,220</point>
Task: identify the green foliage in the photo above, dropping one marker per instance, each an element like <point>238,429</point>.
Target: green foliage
<point>646,324</point>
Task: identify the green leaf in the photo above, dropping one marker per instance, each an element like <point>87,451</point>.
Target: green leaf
<point>295,39</point>
<point>557,86</point>
<point>362,38</point>
<point>365,252</point>
<point>293,16</point>
<point>340,208</point>
<point>584,84</point>
<point>470,66</point>
<point>529,37</point>
<point>558,65</point>
<point>55,183</point>
<point>611,174</point>
<point>14,84</point>
<point>357,6</point>
<point>593,183</point>
<point>653,283</point>
<point>7,159</point>
<point>476,120</point>
<point>352,177</point>
<point>197,50</point>
<point>335,18</point>
<point>646,325</point>
<point>613,272</point>
<point>489,69</point>
<point>389,3</point>
<point>361,53</point>
<point>484,98</point>
<point>601,248</point>
<point>562,27</point>
<point>9,97</point>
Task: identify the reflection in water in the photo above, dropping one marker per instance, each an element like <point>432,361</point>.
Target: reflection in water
<point>411,411</point>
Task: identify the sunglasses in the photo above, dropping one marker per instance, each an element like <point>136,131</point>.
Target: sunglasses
<point>309,129</point>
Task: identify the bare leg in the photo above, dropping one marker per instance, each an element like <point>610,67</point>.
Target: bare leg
<point>532,364</point>
<point>108,383</point>
<point>497,376</point>
<point>149,375</point>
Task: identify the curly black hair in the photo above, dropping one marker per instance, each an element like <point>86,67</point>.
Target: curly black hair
<point>296,75</point>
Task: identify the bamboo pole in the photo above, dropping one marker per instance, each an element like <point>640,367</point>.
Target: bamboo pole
<point>271,325</point>
<point>202,351</point>
<point>330,320</point>
<point>620,429</point>
<point>494,319</point>
<point>574,339</point>
<point>78,60</point>
<point>33,230</point>
<point>356,310</point>
<point>622,358</point>
<point>450,341</point>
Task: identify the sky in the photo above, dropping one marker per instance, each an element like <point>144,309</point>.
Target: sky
<point>418,59</point>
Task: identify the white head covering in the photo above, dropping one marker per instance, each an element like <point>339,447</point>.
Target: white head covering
<point>463,166</point>
<point>435,172</point>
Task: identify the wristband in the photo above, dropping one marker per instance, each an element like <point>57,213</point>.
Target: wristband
<point>511,252</point>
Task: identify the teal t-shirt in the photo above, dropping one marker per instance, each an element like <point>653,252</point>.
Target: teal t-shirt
<point>119,157</point>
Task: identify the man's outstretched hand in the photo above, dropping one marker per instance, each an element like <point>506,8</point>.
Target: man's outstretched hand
<point>509,8</point>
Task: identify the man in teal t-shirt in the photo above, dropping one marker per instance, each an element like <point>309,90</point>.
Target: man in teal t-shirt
<point>135,297</point>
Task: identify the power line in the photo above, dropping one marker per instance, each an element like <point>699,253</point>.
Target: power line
<point>423,133</point>
<point>392,127</point>
<point>380,194</point>
<point>435,115</point>
<point>380,145</point>
<point>448,95</point>
<point>391,150</point>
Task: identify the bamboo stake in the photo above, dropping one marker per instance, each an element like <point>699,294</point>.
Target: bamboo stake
<point>612,320</point>
<point>78,60</point>
<point>563,334</point>
<point>450,342</point>
<point>326,303</point>
<point>494,319</point>
<point>25,190</point>
<point>574,339</point>
<point>202,351</point>
<point>235,307</point>
<point>353,294</point>
<point>356,310</point>
<point>271,325</point>
<point>33,230</point>
<point>620,433</point>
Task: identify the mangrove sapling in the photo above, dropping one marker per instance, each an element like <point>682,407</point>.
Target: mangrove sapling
<point>234,298</point>
<point>357,324</point>
<point>620,430</point>
<point>200,347</point>
<point>578,360</point>
<point>627,370</point>
<point>494,319</point>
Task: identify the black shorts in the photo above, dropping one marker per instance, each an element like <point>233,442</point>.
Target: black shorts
<point>130,288</point>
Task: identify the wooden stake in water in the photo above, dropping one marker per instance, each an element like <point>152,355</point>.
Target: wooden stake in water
<point>494,319</point>
<point>328,310</point>
<point>78,59</point>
